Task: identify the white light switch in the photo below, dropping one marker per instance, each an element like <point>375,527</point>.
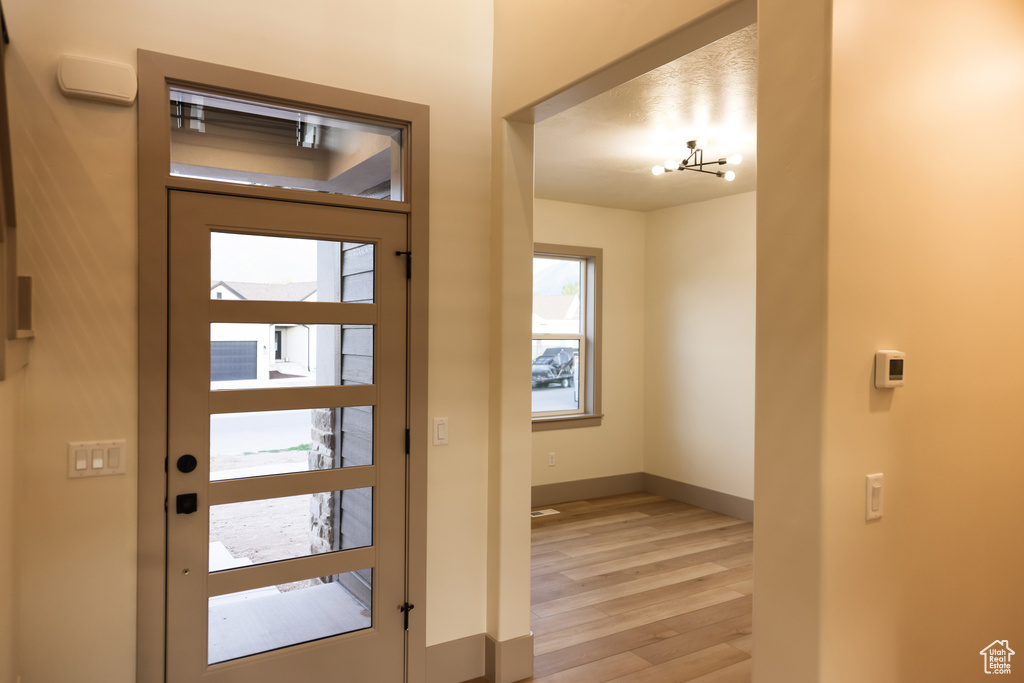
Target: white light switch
<point>96,458</point>
<point>113,456</point>
<point>873,496</point>
<point>440,431</point>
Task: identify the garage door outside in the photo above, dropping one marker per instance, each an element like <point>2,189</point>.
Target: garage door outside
<point>232,360</point>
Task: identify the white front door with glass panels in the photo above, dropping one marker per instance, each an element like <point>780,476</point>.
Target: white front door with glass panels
<point>286,501</point>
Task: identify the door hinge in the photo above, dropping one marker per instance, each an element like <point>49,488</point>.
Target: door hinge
<point>405,608</point>
<point>408,263</point>
<point>407,442</point>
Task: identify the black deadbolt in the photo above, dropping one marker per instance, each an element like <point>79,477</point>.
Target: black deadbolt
<point>187,463</point>
<point>187,503</point>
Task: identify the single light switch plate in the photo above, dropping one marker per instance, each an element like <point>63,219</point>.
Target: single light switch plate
<point>440,431</point>
<point>873,496</point>
<point>96,458</point>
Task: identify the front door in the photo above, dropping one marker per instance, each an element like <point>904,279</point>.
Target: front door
<point>286,501</point>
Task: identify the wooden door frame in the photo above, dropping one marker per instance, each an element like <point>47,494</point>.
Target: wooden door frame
<point>157,72</point>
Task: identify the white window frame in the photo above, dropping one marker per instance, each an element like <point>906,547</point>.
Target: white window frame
<point>589,368</point>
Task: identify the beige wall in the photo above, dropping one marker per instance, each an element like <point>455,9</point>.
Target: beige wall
<point>925,256</point>
<point>11,392</point>
<point>75,164</point>
<point>74,168</point>
<point>700,266</point>
<point>678,351</point>
<point>540,47</point>
<point>616,447</point>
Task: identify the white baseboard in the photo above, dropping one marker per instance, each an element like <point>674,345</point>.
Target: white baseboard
<point>583,489</point>
<point>480,656</point>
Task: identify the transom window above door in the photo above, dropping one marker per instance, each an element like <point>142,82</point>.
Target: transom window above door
<point>220,138</point>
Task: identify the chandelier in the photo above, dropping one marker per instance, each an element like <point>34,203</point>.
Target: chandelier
<point>695,162</point>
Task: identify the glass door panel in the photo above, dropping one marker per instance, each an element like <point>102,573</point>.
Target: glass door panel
<point>269,268</point>
<point>276,355</point>
<point>287,441</point>
<point>271,529</point>
<point>271,617</point>
<point>293,500</point>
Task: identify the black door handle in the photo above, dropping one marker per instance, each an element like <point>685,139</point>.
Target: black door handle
<point>187,503</point>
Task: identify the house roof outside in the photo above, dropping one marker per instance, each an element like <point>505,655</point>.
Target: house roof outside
<point>263,291</point>
<point>556,306</point>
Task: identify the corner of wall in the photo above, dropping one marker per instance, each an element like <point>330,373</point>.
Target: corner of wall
<point>792,263</point>
<point>508,533</point>
<point>11,391</point>
<point>700,290</point>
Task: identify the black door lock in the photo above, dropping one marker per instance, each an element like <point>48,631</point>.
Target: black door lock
<point>187,463</point>
<point>187,503</point>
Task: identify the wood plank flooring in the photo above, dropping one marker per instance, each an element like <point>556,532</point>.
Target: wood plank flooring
<point>640,589</point>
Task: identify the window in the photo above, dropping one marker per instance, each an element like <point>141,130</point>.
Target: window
<point>232,140</point>
<point>566,331</point>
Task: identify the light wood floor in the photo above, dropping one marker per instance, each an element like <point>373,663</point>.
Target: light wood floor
<point>641,589</point>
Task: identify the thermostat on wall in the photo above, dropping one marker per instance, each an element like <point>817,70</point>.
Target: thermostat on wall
<point>889,369</point>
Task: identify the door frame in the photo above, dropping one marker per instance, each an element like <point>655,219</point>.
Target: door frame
<point>157,72</point>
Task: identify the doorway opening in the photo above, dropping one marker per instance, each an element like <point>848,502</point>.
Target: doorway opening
<point>698,389</point>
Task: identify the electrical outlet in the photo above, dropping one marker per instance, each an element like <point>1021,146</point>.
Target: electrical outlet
<point>440,431</point>
<point>551,459</point>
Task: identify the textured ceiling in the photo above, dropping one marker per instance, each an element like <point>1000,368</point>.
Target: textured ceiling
<point>601,152</point>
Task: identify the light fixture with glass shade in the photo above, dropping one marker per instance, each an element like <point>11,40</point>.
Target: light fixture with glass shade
<point>695,162</point>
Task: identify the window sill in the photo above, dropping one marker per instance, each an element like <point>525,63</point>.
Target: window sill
<point>544,424</point>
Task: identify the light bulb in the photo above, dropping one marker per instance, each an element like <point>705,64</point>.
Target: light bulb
<point>671,165</point>
<point>658,170</point>
<point>730,175</point>
<point>702,143</point>
<point>734,159</point>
